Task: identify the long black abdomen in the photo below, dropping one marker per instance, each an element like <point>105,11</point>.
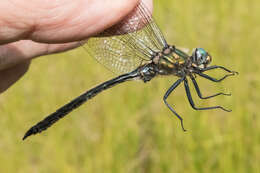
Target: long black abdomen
<point>64,110</point>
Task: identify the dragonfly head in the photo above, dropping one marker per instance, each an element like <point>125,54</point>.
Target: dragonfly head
<point>200,58</point>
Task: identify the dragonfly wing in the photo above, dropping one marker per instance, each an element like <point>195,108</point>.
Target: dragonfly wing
<point>126,45</point>
<point>115,54</point>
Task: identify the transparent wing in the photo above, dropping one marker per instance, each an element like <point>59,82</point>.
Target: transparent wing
<point>115,54</point>
<point>135,39</point>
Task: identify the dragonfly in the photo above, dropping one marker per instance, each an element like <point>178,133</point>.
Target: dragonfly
<point>137,50</point>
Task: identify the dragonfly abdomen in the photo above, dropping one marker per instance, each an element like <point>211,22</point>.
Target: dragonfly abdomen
<point>64,110</point>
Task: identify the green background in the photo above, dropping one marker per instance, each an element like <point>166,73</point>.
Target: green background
<point>128,128</point>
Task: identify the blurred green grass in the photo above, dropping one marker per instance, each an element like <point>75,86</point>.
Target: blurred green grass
<point>128,128</point>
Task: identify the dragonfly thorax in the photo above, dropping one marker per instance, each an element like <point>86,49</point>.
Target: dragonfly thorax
<point>170,60</point>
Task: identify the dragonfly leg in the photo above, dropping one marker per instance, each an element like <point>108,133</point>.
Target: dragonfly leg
<point>216,66</point>
<point>214,79</point>
<point>187,89</point>
<point>169,91</point>
<point>199,93</point>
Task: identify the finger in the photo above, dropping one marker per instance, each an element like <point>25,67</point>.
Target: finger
<point>14,53</point>
<point>91,20</point>
<point>59,21</point>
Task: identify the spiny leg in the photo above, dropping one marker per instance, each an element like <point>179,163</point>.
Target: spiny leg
<point>166,96</point>
<point>199,93</point>
<point>213,79</point>
<point>216,66</point>
<point>187,89</point>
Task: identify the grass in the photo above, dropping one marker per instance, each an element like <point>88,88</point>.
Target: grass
<point>128,128</point>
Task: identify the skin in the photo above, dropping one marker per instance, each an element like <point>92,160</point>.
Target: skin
<point>29,29</point>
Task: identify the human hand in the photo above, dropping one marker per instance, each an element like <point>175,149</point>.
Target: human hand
<point>29,29</point>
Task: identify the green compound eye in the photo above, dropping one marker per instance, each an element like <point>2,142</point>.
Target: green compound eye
<point>199,56</point>
<point>202,51</point>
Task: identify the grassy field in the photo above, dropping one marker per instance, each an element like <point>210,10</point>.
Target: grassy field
<point>128,128</point>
